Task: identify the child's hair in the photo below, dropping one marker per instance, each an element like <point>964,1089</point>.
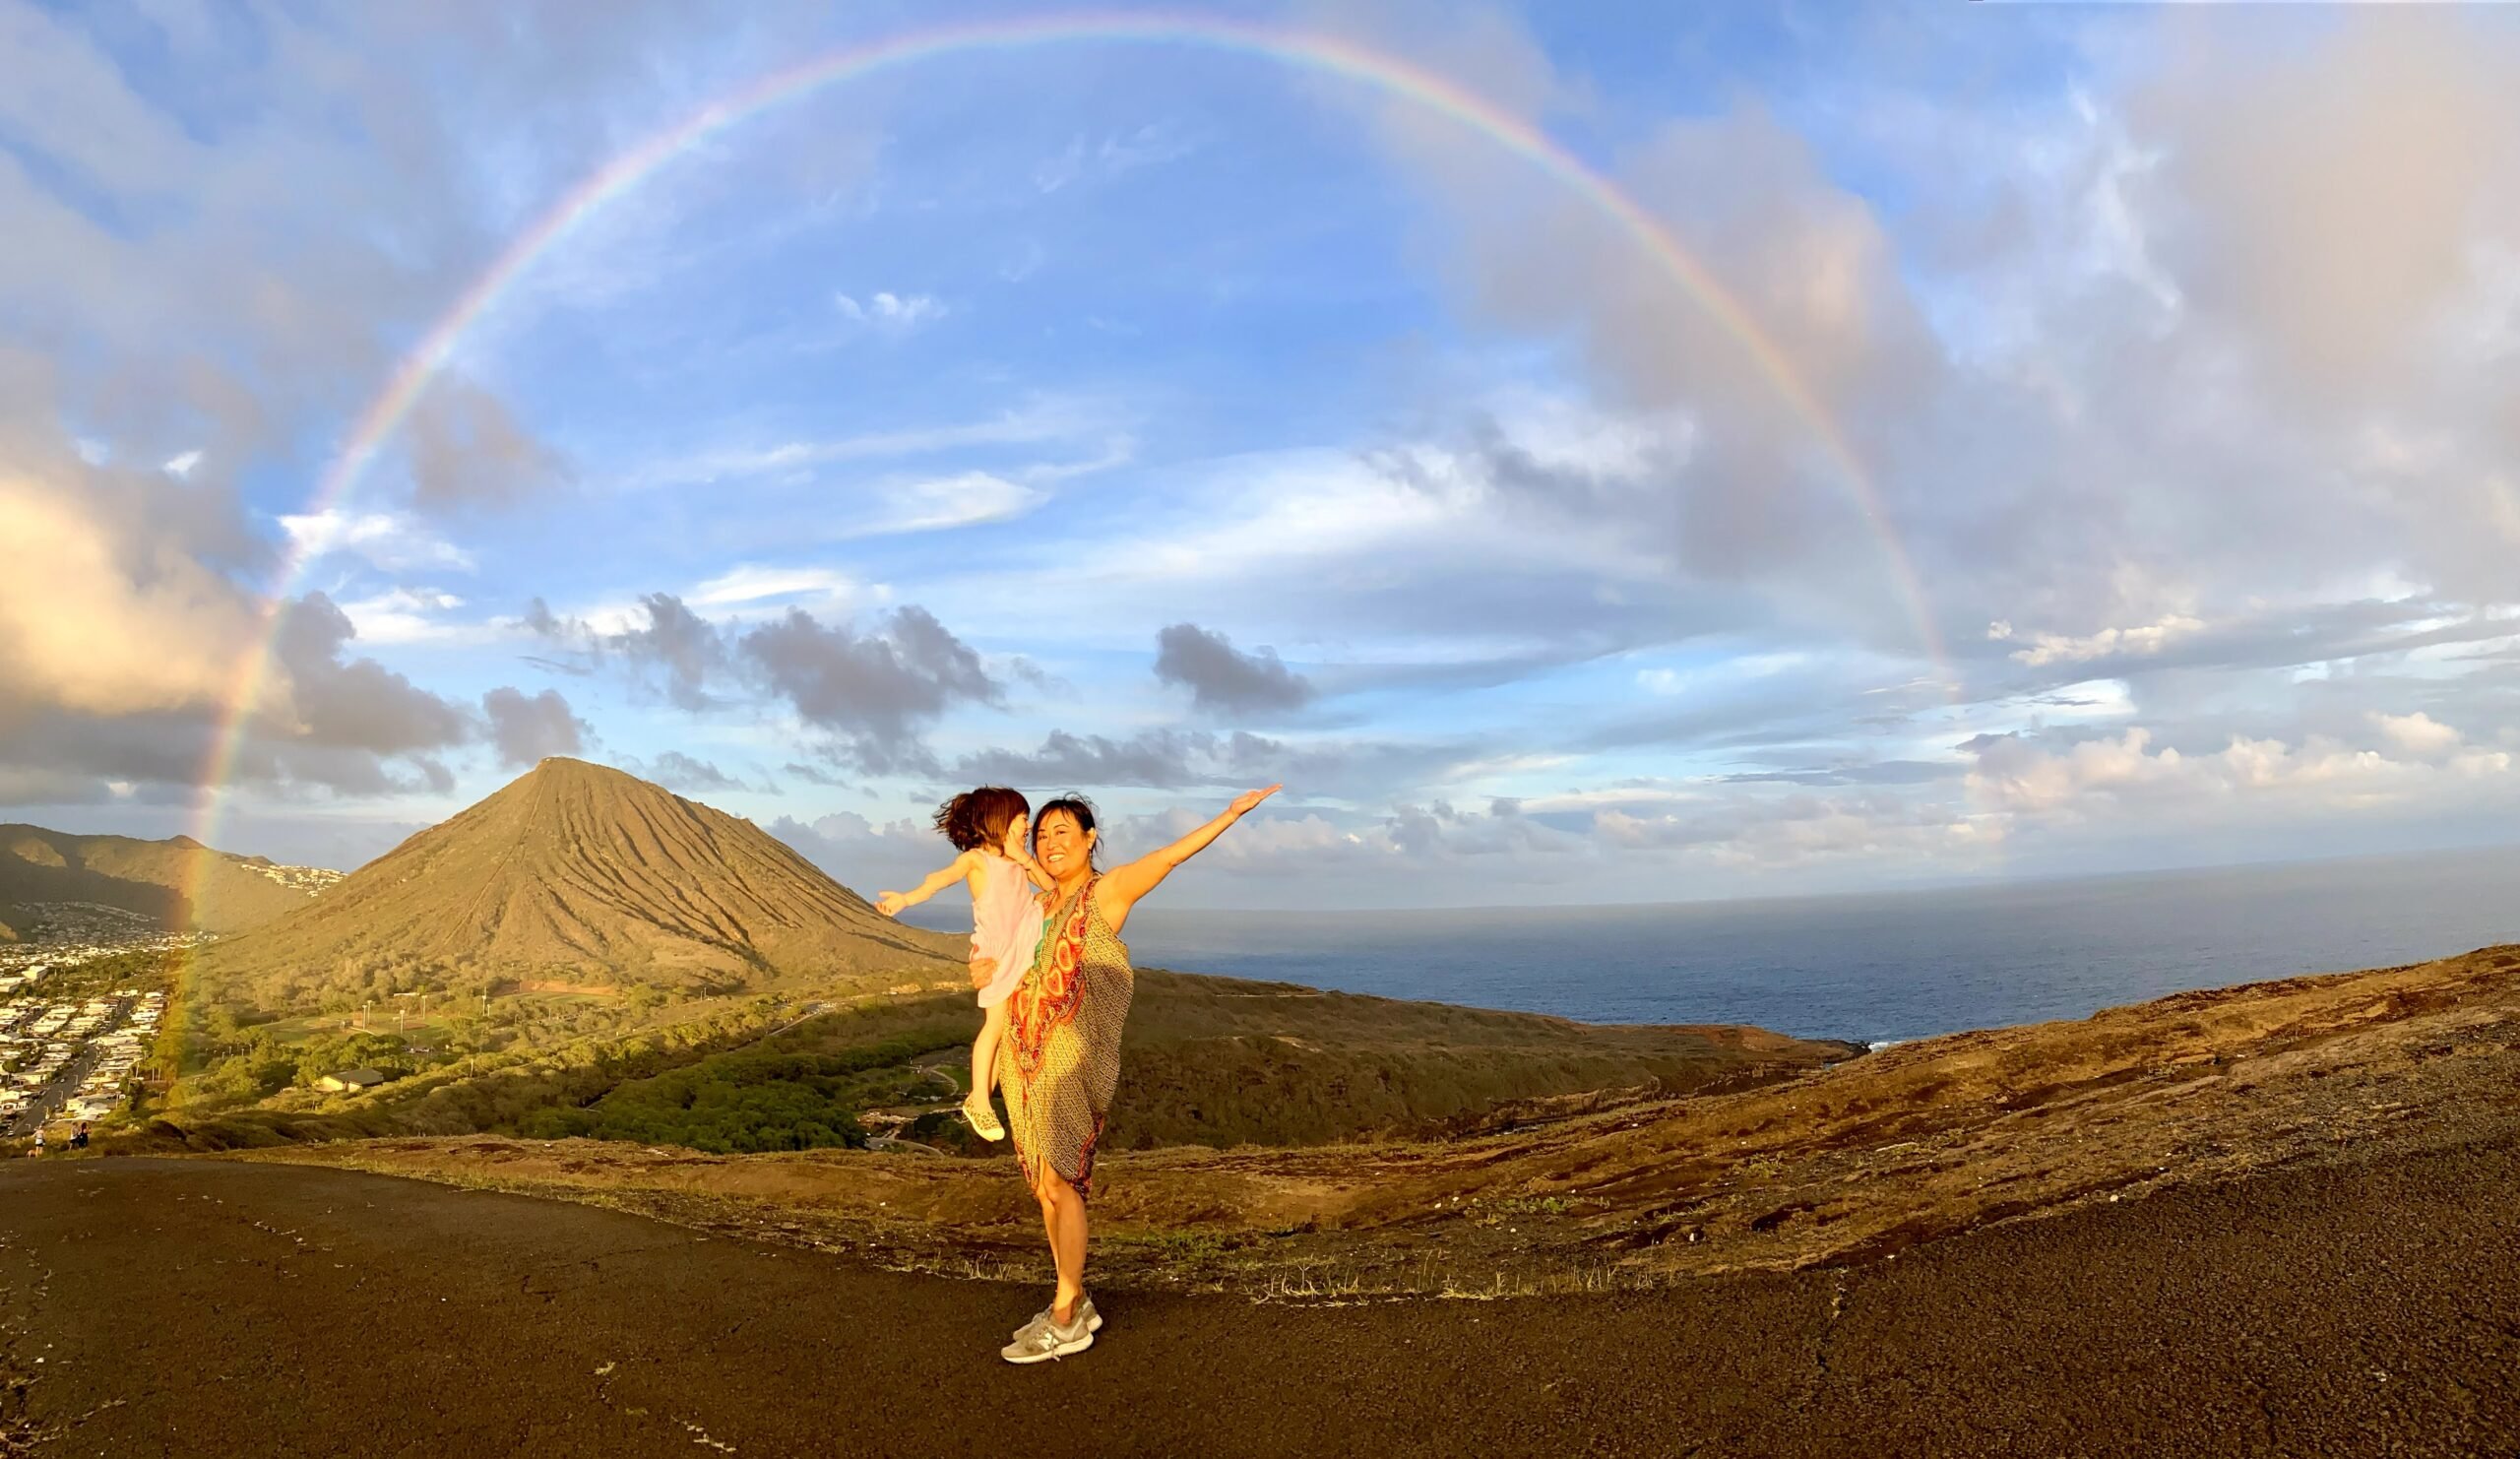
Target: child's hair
<point>1076,805</point>
<point>977,818</point>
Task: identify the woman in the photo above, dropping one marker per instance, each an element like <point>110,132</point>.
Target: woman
<point>1061,1056</point>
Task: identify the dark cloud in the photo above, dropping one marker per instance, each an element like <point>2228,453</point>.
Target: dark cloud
<point>525,730</point>
<point>877,690</point>
<point>678,643</point>
<point>467,451</point>
<point>1174,758</point>
<point>873,692</point>
<point>1154,759</point>
<point>329,722</point>
<point>677,771</point>
<point>1222,679</point>
<point>358,704</point>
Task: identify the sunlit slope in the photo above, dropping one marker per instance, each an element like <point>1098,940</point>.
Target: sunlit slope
<point>580,875</point>
<point>179,881</point>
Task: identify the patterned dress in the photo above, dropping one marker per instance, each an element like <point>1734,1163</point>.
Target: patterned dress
<point>1061,1056</point>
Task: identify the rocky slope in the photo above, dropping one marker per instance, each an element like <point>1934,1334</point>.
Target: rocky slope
<point>575,873</point>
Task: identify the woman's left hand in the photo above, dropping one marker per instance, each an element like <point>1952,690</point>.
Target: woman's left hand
<point>1243,803</point>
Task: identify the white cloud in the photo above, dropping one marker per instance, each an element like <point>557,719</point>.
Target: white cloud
<point>1035,422</point>
<point>2055,648</point>
<point>966,499</point>
<point>1117,154</point>
<point>750,582</point>
<point>2099,774</point>
<point>2418,735</point>
<point>407,615</point>
<point>1060,167</point>
<point>1798,830</point>
<point>388,539</point>
<point>108,615</point>
<point>182,465</point>
<point>898,313</point>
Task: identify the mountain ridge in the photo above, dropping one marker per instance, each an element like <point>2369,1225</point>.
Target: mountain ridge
<point>178,881</point>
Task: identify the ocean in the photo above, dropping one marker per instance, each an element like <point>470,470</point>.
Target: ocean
<point>1875,967</point>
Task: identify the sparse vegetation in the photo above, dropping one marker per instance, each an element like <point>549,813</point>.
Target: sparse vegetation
<point>149,877</point>
<point>758,1099</point>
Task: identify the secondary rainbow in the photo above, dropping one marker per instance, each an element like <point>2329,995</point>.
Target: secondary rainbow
<point>1330,56</point>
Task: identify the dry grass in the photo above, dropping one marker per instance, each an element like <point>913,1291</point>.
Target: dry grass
<point>1836,1166</point>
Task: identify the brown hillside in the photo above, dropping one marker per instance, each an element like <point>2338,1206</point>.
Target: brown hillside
<point>1865,1160</point>
<point>149,878</point>
<point>578,874</point>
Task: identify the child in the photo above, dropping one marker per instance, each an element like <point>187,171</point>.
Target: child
<point>987,827</point>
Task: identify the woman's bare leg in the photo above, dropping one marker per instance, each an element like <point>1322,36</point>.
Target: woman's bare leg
<point>1064,1217</point>
<point>984,1049</point>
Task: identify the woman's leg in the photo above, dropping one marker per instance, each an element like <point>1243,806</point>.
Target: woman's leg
<point>984,1049</point>
<point>1064,1217</point>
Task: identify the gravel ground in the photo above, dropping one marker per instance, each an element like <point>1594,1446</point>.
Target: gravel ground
<point>186,1307</point>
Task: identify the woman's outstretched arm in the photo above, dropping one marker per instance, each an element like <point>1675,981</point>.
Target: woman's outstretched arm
<point>1122,886</point>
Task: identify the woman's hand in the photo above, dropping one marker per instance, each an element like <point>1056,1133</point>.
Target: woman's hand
<point>983,972</point>
<point>1243,803</point>
<point>889,904</point>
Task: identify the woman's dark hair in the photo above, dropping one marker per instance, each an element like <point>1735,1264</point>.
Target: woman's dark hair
<point>1076,805</point>
<point>977,818</point>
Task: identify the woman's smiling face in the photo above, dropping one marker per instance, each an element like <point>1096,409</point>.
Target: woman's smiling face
<point>1062,847</point>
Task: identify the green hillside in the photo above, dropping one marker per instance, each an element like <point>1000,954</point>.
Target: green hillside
<point>178,882</point>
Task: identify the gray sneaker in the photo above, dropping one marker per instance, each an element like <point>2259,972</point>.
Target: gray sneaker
<point>1084,1310</point>
<point>1043,1340</point>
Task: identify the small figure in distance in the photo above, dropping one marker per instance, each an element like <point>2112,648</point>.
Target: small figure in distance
<point>987,828</point>
<point>79,1139</point>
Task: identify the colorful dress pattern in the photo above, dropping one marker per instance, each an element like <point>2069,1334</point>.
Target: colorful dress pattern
<point>1061,1060</point>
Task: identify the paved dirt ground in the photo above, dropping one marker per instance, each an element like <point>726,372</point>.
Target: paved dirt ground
<point>196,1308</point>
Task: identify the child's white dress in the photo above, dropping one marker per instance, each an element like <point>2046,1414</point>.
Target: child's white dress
<point>1006,928</point>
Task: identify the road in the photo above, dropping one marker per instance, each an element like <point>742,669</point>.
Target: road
<point>190,1307</point>
<point>44,1102</point>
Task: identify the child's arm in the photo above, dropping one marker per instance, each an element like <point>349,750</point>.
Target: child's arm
<point>1015,851</point>
<point>889,904</point>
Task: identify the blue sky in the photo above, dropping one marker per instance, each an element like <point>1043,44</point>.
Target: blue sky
<point>1155,421</point>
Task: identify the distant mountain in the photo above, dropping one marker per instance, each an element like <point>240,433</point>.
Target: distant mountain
<point>178,881</point>
<point>572,874</point>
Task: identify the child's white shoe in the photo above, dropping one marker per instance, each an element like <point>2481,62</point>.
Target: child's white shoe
<point>983,1119</point>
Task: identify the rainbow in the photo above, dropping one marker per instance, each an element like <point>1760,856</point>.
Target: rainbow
<point>1325,55</point>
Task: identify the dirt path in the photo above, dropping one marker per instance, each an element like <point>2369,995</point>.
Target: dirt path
<point>191,1308</point>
